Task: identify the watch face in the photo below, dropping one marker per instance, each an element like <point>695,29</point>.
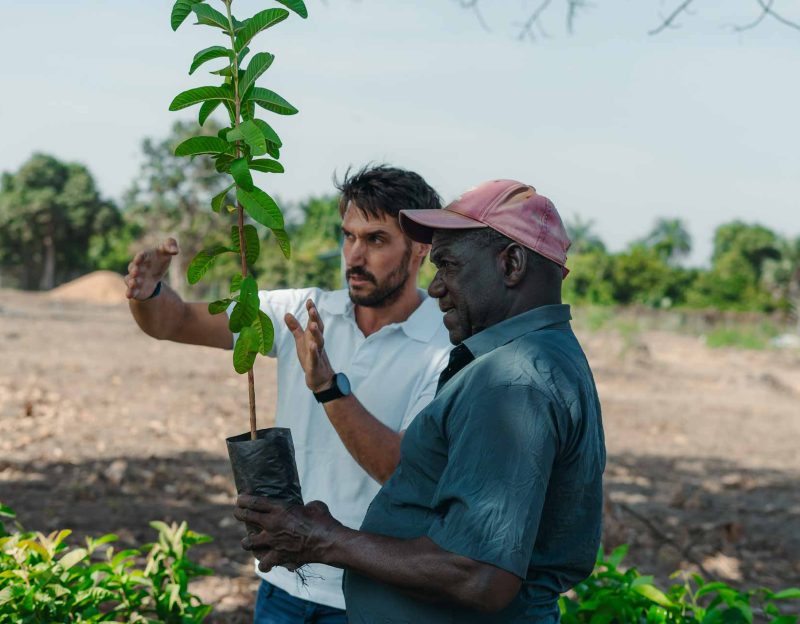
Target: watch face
<point>343,383</point>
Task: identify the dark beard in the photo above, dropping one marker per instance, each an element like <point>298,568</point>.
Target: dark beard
<point>386,292</point>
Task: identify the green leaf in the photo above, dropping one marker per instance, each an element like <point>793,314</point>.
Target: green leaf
<point>206,108</point>
<point>271,101</point>
<point>245,349</point>
<point>7,512</point>
<point>201,94</point>
<point>202,262</point>
<point>787,594</point>
<point>210,17</point>
<point>180,11</point>
<point>297,6</point>
<point>273,150</point>
<point>616,557</point>
<point>257,23</point>
<point>72,557</point>
<point>246,309</point>
<point>252,244</point>
<point>236,283</point>
<point>261,207</point>
<point>219,200</point>
<point>241,174</point>
<point>203,145</point>
<point>209,54</point>
<point>266,332</point>
<point>651,592</point>
<point>254,137</point>
<point>265,165</point>
<point>222,163</point>
<point>258,65</point>
<point>269,134</point>
<point>283,242</point>
<point>219,306</point>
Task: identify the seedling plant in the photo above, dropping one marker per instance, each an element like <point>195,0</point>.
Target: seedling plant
<point>248,144</point>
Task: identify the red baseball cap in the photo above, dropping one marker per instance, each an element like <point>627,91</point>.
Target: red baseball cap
<point>512,208</point>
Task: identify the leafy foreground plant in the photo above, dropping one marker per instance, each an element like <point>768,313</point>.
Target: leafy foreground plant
<point>238,150</point>
<point>44,580</point>
<point>611,595</point>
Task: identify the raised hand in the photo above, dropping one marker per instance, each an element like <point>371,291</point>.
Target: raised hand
<point>311,349</point>
<point>148,268</point>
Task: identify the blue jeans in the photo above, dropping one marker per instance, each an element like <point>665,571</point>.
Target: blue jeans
<point>275,606</point>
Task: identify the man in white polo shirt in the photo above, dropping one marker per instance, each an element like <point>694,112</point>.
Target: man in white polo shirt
<point>349,399</point>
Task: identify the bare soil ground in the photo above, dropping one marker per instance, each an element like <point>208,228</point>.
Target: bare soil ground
<point>103,429</point>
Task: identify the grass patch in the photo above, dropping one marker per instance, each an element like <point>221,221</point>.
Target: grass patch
<point>742,337</point>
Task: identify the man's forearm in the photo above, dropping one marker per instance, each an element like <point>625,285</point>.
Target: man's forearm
<point>423,569</point>
<point>372,444</point>
<point>162,316</point>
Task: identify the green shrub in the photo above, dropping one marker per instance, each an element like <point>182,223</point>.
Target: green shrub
<point>44,580</point>
<point>611,595</point>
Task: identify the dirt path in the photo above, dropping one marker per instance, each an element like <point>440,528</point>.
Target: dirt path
<point>103,429</point>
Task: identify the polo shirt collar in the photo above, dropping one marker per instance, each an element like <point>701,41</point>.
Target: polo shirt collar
<point>420,326</point>
<point>512,328</point>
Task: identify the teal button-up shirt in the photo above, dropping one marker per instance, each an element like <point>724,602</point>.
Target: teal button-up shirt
<point>504,466</point>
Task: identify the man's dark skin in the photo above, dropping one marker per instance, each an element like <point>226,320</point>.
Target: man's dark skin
<point>477,287</point>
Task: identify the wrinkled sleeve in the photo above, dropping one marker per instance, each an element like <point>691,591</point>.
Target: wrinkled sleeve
<point>489,499</point>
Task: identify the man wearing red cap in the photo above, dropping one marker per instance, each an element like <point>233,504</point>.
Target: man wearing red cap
<point>495,507</point>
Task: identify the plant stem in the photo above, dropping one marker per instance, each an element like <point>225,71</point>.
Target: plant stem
<point>251,384</point>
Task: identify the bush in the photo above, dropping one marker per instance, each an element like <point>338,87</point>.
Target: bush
<point>44,580</point>
<point>611,595</point>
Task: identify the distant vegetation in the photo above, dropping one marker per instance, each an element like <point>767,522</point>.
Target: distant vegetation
<point>54,226</point>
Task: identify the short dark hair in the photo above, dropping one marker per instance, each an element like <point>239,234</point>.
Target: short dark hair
<point>383,190</point>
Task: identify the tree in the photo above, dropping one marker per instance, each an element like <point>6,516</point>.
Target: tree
<point>740,254</point>
<point>170,198</point>
<point>532,28</point>
<point>49,211</point>
<point>670,239</point>
<point>584,239</point>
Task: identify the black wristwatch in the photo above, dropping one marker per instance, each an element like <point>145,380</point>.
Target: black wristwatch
<point>339,389</point>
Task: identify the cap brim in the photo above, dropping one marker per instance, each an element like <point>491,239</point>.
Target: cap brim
<point>419,225</point>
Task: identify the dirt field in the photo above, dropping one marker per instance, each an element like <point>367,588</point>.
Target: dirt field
<point>103,429</point>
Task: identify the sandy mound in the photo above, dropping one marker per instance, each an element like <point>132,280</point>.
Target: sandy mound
<point>105,287</point>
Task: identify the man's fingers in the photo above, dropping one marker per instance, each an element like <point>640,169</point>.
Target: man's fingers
<point>169,247</point>
<point>316,335</point>
<point>294,326</point>
<point>257,541</point>
<point>268,561</point>
<point>257,503</point>
<point>313,314</point>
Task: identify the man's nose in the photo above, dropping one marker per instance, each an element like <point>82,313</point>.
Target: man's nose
<point>436,288</point>
<point>354,253</point>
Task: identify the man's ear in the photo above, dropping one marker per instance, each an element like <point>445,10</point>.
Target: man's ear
<point>514,264</point>
<point>420,250</point>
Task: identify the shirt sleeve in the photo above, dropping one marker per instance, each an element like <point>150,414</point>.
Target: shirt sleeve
<point>501,450</point>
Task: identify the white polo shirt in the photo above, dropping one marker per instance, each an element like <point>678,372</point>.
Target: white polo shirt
<point>393,373</point>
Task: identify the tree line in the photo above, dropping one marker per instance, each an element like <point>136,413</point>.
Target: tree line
<point>55,226</point>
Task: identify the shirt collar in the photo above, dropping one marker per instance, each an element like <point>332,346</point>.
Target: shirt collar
<point>421,325</point>
<point>512,328</point>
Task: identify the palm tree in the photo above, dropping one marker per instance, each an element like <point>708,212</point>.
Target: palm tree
<point>670,239</point>
<point>584,239</point>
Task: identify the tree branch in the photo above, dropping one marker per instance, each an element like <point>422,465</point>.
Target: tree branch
<point>526,30</point>
<point>767,7</point>
<point>473,6</point>
<point>668,21</point>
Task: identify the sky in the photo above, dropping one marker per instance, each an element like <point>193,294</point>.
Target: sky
<point>613,124</point>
